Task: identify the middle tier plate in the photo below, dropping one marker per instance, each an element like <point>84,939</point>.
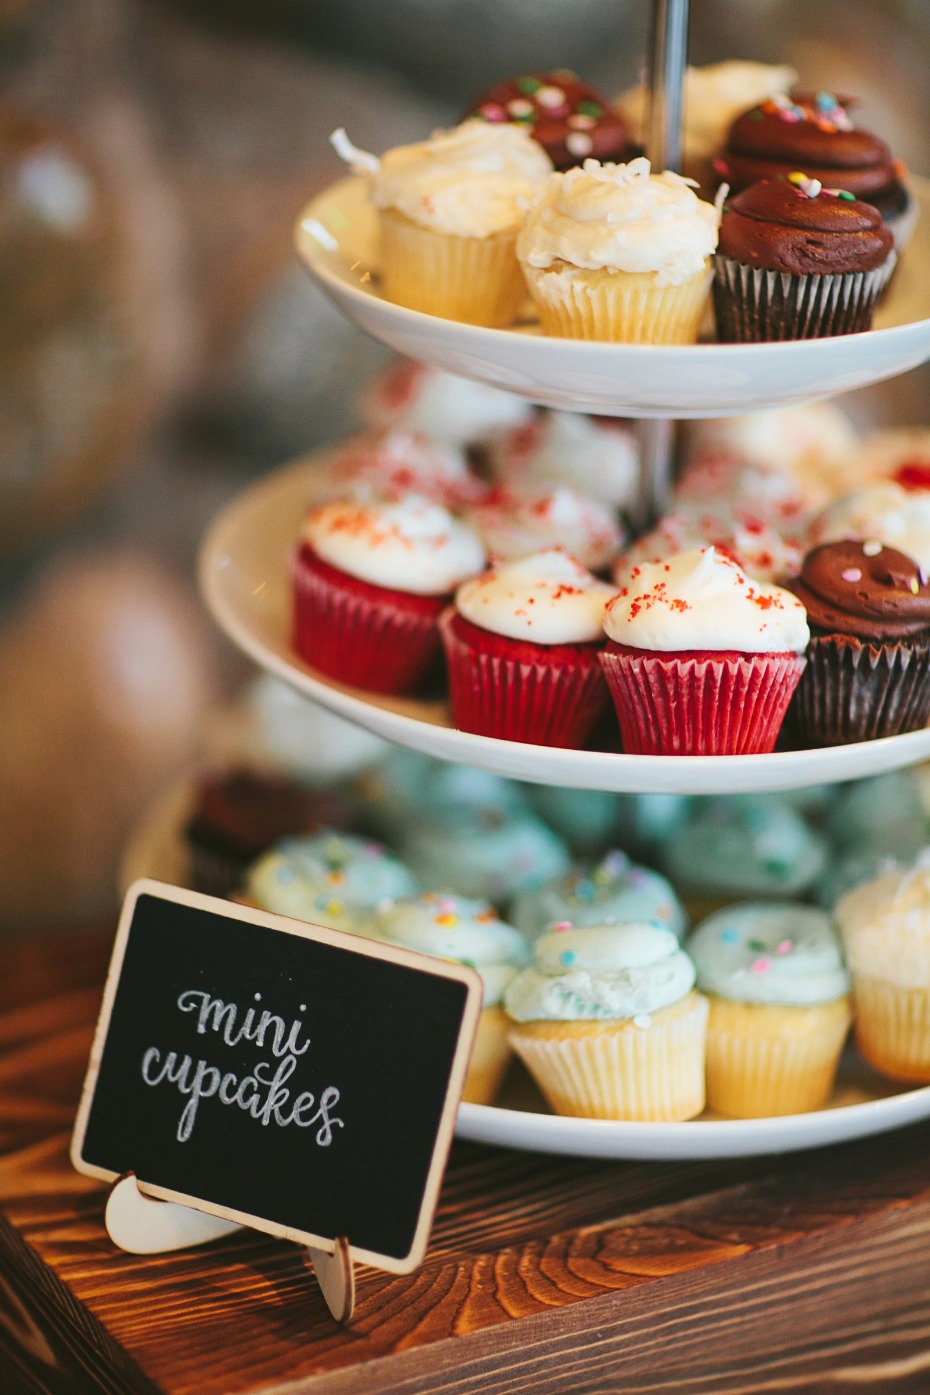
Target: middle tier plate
<point>244,577</point>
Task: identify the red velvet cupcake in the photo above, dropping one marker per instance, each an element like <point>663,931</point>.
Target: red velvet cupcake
<point>370,580</point>
<point>522,644</point>
<point>702,660</point>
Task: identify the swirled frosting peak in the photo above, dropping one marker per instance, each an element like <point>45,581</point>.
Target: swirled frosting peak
<point>703,600</point>
<point>601,972</point>
<point>547,598</point>
<point>770,952</point>
<point>864,589</point>
<point>407,545</point>
<point>620,218</point>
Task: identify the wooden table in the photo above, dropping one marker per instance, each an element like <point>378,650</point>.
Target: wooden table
<point>809,1272</point>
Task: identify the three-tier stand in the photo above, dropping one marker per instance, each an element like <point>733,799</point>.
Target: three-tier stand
<point>244,573</point>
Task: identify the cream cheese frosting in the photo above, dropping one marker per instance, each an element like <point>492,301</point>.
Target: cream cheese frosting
<point>547,598</point>
<point>885,926</point>
<point>885,512</point>
<point>601,972</point>
<point>600,458</point>
<point>456,411</point>
<point>518,523</point>
<point>755,543</point>
<point>460,928</point>
<point>620,218</point>
<point>703,600</point>
<point>410,545</point>
<point>473,181</point>
<point>770,952</point>
<point>392,464</point>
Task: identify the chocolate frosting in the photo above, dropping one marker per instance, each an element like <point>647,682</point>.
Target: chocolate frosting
<point>863,589</point>
<point>778,226</point>
<point>569,119</point>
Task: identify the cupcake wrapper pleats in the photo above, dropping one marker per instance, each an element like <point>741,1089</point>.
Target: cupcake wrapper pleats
<point>753,305</point>
<point>852,691</point>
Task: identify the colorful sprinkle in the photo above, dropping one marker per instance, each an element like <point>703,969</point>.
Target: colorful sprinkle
<point>567,957</point>
<point>285,875</point>
<point>492,111</point>
<point>915,586</point>
<point>550,97</point>
<point>872,547</point>
<point>592,109</point>
<point>642,1020</point>
<point>580,122</point>
<point>579,143</point>
<point>561,926</point>
<point>448,920</point>
<point>730,937</point>
<point>529,85</point>
<point>761,966</point>
<point>785,947</point>
<point>520,107</point>
<point>851,574</point>
<point>845,195</point>
<point>757,946</point>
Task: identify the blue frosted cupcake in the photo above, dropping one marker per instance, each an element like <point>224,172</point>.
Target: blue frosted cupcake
<point>605,892</point>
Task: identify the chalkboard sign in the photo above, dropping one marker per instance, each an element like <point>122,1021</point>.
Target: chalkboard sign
<point>293,1078</point>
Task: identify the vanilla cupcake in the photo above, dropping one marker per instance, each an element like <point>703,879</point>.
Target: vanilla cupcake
<point>885,926</point>
<point>779,1007</point>
<point>469,932</point>
<point>522,643</point>
<point>607,1022</point>
<point>516,523</point>
<point>615,252</point>
<point>450,209</point>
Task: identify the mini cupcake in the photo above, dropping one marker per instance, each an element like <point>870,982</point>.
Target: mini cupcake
<point>370,581</point>
<point>516,523</point>
<point>868,669</point>
<point>701,660</point>
<point>393,464</point>
<point>522,644</point>
<point>466,931</point>
<point>569,119</point>
<point>597,455</point>
<point>412,397</point>
<point>479,851</point>
<point>608,1024</point>
<point>450,208</point>
<point>605,892</point>
<point>798,261</point>
<point>779,1007</point>
<point>615,252</point>
<point>886,512</point>
<point>885,926</point>
<point>754,544</point>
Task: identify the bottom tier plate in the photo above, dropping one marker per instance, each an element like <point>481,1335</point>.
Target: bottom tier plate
<point>863,1103</point>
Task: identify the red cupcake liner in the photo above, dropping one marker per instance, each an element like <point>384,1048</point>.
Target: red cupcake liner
<point>366,636</point>
<point>699,702</point>
<point>544,694</point>
<point>856,691</point>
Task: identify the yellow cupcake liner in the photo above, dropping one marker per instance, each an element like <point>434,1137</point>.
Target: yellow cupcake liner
<point>893,1028</point>
<point>765,1059</point>
<point>476,280</point>
<point>619,306</point>
<point>490,1057</point>
<point>649,1068</point>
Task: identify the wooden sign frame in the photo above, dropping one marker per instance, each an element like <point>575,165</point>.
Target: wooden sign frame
<point>352,944</point>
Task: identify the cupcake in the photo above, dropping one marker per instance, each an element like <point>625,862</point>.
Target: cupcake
<point>450,208</point>
<point>608,1024</point>
<point>477,851</point>
<point>569,119</point>
<point>522,644</point>
<point>701,660</point>
<point>466,931</point>
<point>586,819</point>
<point>779,1007</point>
<point>798,261</point>
<point>868,660</point>
<point>742,847</point>
<point>754,544</point>
<point>333,879</point>
<point>393,464</point>
<point>616,252</point>
<point>597,455</point>
<point>885,926</point>
<point>886,512</point>
<point>516,523</point>
<point>412,397</point>
<point>370,581</point>
<point>605,892</point>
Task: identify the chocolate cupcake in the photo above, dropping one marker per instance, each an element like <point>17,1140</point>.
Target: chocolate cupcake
<point>569,119</point>
<point>868,661</point>
<point>797,261</point>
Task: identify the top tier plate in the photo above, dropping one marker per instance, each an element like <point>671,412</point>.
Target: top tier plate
<point>337,242</point>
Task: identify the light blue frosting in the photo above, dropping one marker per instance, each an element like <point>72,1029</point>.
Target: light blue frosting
<point>473,856</point>
<point>751,845</point>
<point>461,928</point>
<point>602,972</point>
<point>770,952</point>
<point>329,878</point>
<point>601,893</point>
<point>880,815</point>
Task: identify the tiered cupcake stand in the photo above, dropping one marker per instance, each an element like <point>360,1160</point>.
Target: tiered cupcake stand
<point>244,578</point>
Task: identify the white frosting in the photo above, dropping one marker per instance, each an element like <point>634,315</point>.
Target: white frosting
<point>703,600</point>
<point>884,453</point>
<point>392,464</point>
<point>461,928</point>
<point>547,598</point>
<point>620,218</point>
<point>599,458</point>
<point>602,972</point>
<point>713,97</point>
<point>887,512</point>
<point>777,953</point>
<point>514,525</point>
<point>473,181</point>
<point>456,411</point>
<point>757,545</point>
<point>885,926</point>
<point>412,545</point>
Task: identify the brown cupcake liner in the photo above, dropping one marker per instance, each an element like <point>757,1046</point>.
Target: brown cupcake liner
<point>754,306</point>
<point>855,691</point>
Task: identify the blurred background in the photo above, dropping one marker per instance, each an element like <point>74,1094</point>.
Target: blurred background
<point>160,348</point>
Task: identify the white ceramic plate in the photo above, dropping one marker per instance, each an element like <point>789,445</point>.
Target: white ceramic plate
<point>862,1102</point>
<point>336,240</point>
<point>244,580</point>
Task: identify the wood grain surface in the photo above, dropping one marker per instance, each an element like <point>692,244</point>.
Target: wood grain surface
<point>809,1272</point>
